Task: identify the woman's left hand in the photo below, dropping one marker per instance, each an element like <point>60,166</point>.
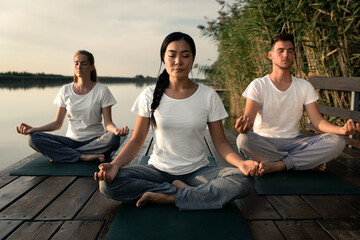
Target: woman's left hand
<point>122,131</point>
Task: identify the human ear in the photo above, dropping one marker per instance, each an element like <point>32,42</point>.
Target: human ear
<point>270,54</point>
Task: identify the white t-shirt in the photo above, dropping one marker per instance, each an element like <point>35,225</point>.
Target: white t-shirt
<point>181,125</point>
<point>279,112</point>
<point>84,112</point>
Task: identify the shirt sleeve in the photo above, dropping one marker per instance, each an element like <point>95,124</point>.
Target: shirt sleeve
<point>253,91</point>
<point>311,94</point>
<point>217,110</point>
<point>59,99</point>
<point>143,102</point>
<point>107,99</point>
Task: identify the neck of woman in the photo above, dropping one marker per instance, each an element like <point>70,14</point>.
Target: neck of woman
<point>178,84</point>
<point>83,86</point>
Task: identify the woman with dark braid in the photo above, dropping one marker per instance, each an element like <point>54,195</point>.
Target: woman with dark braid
<point>179,111</point>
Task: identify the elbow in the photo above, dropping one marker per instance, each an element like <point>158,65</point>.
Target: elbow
<point>57,125</point>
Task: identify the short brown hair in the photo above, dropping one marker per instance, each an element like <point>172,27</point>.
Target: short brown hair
<point>282,37</point>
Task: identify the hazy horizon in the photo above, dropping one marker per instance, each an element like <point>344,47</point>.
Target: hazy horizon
<point>124,36</point>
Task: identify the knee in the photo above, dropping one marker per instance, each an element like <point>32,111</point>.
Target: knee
<point>242,141</point>
<point>106,189</point>
<point>115,189</point>
<point>337,141</point>
<point>244,185</point>
<point>114,141</point>
<point>245,144</point>
<point>34,139</point>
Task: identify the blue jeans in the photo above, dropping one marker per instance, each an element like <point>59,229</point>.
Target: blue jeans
<point>214,187</point>
<point>64,149</point>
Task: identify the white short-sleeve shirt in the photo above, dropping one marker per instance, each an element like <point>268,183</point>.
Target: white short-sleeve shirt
<point>279,112</point>
<point>181,125</point>
<point>84,112</point>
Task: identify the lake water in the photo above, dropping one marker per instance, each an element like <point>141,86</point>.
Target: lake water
<point>34,106</point>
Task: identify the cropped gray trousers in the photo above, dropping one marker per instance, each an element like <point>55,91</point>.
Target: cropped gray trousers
<point>299,153</point>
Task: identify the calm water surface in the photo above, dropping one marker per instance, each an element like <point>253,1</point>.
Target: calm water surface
<point>34,106</point>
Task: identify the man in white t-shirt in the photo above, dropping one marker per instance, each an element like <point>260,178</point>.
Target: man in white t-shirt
<point>273,110</point>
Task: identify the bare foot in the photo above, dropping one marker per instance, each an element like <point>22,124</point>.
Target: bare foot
<point>160,198</point>
<point>92,157</point>
<point>180,184</point>
<point>269,167</point>
<point>320,168</point>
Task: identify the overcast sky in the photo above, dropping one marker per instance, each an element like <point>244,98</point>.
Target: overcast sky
<point>41,36</point>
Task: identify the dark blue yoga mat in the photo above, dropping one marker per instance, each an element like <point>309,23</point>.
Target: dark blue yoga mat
<point>41,166</point>
<point>302,182</point>
<point>163,222</point>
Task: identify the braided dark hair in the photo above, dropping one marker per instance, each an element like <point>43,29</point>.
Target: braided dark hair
<point>163,79</point>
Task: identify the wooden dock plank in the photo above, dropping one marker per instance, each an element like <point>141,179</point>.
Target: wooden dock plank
<point>352,201</point>
<point>344,172</point>
<point>28,206</point>
<point>330,207</point>
<point>255,207</point>
<point>35,230</point>
<point>342,230</point>
<point>350,161</point>
<point>314,230</point>
<point>6,227</point>
<point>292,230</point>
<point>265,230</point>
<point>105,230</point>
<point>70,202</point>
<point>78,229</point>
<point>16,189</point>
<point>99,207</point>
<point>5,178</point>
<point>292,207</point>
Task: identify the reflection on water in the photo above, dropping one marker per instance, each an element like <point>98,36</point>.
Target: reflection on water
<point>33,105</point>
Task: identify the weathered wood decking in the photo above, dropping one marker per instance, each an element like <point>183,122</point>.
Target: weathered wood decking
<point>73,208</point>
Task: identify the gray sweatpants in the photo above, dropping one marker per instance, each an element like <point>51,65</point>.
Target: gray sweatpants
<point>300,153</point>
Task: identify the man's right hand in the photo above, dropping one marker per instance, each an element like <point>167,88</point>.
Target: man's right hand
<point>107,172</point>
<point>243,124</point>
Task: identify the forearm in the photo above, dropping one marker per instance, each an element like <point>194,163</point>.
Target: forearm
<point>326,127</point>
<point>53,126</point>
<point>227,152</point>
<point>110,127</point>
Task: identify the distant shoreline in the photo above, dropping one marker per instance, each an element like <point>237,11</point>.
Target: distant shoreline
<point>27,80</point>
